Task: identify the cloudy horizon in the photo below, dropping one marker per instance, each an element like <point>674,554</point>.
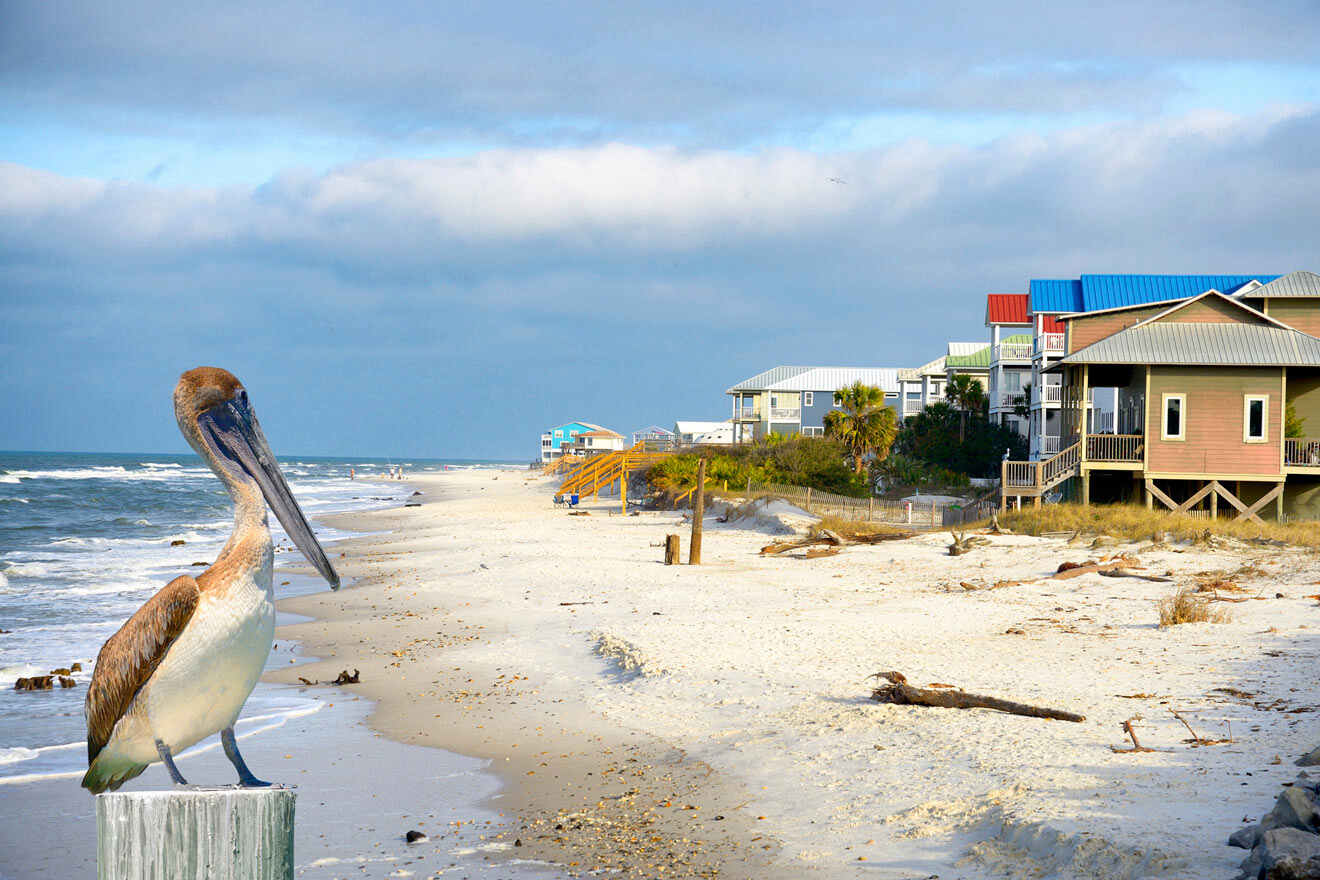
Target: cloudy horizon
<point>416,233</point>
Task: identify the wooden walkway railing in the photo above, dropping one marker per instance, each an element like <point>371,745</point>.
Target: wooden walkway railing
<point>600,470</point>
<point>1037,477</point>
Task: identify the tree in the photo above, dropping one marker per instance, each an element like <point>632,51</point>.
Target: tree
<point>967,396</point>
<point>1022,406</point>
<point>1294,426</point>
<point>932,437</point>
<point>863,424</point>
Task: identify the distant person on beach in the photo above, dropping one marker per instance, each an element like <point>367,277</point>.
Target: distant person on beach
<point>352,474</point>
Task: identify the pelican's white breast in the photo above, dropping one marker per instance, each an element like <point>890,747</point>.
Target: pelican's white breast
<point>209,671</point>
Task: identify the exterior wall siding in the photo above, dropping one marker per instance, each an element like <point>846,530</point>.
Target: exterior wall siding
<point>814,415</point>
<point>1301,313</point>
<point>1213,311</point>
<point>1213,421</point>
<point>1083,331</point>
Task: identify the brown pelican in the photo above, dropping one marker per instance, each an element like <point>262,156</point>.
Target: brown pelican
<point>181,668</point>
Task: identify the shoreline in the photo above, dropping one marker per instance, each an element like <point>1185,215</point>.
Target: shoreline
<point>584,796</point>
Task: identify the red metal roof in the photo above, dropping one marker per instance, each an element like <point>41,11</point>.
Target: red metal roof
<point>1006,308</point>
<point>1051,324</point>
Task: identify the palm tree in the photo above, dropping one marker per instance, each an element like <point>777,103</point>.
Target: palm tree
<point>862,423</point>
<point>966,394</point>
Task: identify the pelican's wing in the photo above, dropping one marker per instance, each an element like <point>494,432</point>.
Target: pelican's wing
<point>130,656</point>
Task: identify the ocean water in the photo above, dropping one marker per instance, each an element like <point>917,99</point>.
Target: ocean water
<point>85,539</point>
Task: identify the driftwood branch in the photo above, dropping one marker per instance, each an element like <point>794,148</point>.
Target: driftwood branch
<point>1136,743</point>
<point>900,692</point>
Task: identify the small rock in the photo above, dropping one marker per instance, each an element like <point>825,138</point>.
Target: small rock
<point>517,841</point>
<point>66,682</point>
<point>178,542</point>
<point>63,670</point>
<point>35,683</point>
<point>345,678</point>
<point>76,667</point>
<point>1310,759</point>
<point>415,837</point>
<point>1245,838</point>
<point>1278,595</point>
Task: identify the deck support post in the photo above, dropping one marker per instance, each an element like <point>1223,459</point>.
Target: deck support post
<point>1214,505</point>
<point>1086,488</point>
<point>1278,504</point>
<point>225,834</point>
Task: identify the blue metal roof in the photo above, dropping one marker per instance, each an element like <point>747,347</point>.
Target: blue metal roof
<point>1048,295</point>
<point>1092,293</point>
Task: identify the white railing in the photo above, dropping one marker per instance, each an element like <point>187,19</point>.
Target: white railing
<point>1048,393</point>
<point>1013,351</point>
<point>1049,343</point>
<point>784,414</point>
<point>1050,444</point>
<point>1010,400</point>
<point>1301,452</point>
<point>912,407</point>
<point>747,412</point>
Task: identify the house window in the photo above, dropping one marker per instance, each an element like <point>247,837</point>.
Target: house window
<point>812,431</point>
<point>808,398</point>
<point>1175,416</point>
<point>545,441</point>
<point>1255,418</point>
<point>558,433</point>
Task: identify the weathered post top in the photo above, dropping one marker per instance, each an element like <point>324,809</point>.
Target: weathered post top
<point>206,834</point>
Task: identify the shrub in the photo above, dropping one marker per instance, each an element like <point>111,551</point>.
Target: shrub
<point>1186,606</point>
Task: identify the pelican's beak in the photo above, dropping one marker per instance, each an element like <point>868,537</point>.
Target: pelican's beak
<point>232,429</point>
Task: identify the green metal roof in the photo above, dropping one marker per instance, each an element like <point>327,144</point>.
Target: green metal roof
<point>980,358</point>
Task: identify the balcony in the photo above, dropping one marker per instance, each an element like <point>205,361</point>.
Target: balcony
<point>1115,447</point>
<point>747,412</point>
<point>1050,444</point>
<point>1049,343</point>
<point>1047,394</point>
<point>1010,400</point>
<point>1012,351</point>
<point>1303,452</point>
<point>785,414</point>
<point>912,407</point>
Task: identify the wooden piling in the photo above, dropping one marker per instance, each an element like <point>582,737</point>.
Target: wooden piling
<point>698,514</point>
<point>671,550</point>
<point>219,834</point>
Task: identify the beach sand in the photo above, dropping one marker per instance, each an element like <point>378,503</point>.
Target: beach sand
<point>715,721</point>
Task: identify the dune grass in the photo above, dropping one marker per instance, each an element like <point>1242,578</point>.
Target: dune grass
<point>1187,606</point>
<point>1136,523</point>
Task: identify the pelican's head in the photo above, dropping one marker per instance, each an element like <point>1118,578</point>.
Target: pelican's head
<point>217,420</point>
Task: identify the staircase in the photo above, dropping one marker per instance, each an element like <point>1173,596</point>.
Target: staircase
<point>596,471</point>
<point>1035,478</point>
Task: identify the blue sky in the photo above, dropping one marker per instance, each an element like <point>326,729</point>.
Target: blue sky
<point>425,230</point>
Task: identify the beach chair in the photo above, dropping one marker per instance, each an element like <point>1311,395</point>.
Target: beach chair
<point>573,499</point>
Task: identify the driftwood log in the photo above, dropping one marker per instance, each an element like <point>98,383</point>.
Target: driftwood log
<point>962,543</point>
<point>900,692</point>
<point>827,538</point>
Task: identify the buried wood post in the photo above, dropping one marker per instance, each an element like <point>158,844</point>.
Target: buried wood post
<point>225,834</point>
<point>671,550</point>
<point>698,514</point>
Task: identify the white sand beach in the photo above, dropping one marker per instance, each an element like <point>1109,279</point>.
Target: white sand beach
<point>715,720</point>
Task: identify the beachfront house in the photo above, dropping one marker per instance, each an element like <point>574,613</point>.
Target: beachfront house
<point>919,387</point>
<point>1006,314</point>
<point>794,400</point>
<point>596,442</point>
<point>1218,402</point>
<point>562,440</point>
<point>1051,300</point>
<point>690,433</point>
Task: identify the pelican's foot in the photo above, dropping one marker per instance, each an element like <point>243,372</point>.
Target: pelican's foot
<point>168,760</point>
<point>246,779</point>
